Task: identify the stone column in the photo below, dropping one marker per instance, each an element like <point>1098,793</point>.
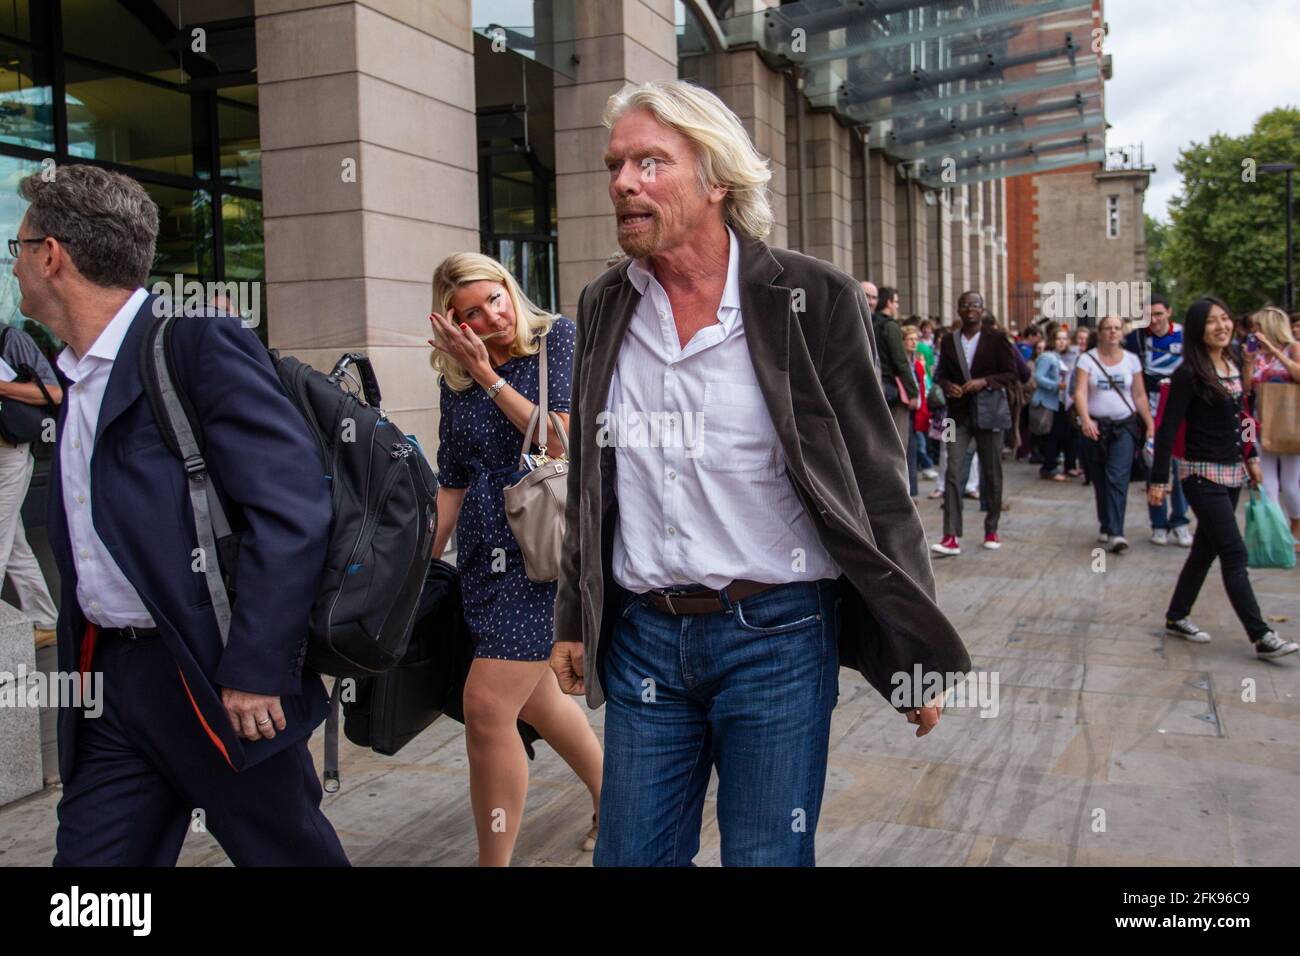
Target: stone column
<point>369,160</point>
<point>959,230</point>
<point>883,267</point>
<point>617,42</point>
<point>939,248</point>
<point>827,161</point>
<point>757,95</point>
<point>976,279</point>
<point>20,727</point>
<point>1001,271</point>
<point>912,230</point>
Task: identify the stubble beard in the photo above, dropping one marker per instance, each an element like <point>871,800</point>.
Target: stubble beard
<point>644,244</point>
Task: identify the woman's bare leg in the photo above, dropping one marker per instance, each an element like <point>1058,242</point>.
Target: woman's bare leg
<point>495,693</point>
<point>561,722</point>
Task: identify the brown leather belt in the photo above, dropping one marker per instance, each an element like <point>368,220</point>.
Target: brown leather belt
<point>703,600</point>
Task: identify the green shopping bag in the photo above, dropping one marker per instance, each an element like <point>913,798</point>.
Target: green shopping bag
<point>1268,536</point>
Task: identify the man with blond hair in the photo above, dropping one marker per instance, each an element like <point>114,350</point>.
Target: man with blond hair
<point>719,570</point>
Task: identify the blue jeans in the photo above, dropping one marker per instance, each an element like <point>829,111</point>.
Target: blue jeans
<point>923,459</point>
<point>748,690</point>
<point>1110,468</point>
<point>1172,512</point>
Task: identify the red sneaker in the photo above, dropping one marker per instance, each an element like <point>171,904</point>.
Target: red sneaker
<point>948,546</point>
<point>991,542</point>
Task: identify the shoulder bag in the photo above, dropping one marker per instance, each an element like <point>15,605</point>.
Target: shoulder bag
<point>990,410</point>
<point>535,503</point>
<point>20,422</point>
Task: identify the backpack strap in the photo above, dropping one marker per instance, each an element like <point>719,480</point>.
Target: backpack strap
<point>181,433</point>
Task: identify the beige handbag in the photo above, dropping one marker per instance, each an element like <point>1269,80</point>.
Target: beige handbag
<point>535,504</point>
<point>1279,417</point>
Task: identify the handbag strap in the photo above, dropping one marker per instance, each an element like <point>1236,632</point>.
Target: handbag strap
<point>24,368</point>
<point>538,420</point>
<point>1113,384</point>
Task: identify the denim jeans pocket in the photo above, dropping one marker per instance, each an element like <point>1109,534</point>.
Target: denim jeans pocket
<point>779,616</point>
<point>632,604</point>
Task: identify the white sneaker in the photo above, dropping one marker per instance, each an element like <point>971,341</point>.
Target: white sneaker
<point>1118,543</point>
<point>1270,646</point>
<point>1183,536</point>
<point>1187,630</point>
<point>1160,536</point>
<point>1103,538</point>
<point>929,474</point>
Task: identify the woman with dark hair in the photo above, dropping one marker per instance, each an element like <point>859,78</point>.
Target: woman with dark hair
<point>1205,399</point>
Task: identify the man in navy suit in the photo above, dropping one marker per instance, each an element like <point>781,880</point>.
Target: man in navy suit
<point>193,734</point>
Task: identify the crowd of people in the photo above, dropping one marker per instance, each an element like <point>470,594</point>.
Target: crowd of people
<point>710,585</point>
<point>1174,404</point>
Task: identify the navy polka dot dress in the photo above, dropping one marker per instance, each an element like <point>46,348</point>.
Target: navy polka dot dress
<point>510,616</point>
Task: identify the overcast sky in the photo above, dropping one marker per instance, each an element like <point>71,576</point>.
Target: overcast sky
<point>1187,68</point>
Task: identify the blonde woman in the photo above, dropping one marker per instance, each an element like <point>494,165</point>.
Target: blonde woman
<point>486,341</point>
<point>1275,357</point>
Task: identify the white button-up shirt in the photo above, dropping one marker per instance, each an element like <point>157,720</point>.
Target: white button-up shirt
<point>704,496</point>
<point>105,595</point>
<point>968,346</point>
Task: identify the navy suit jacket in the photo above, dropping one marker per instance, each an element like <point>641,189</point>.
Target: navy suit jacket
<point>267,468</point>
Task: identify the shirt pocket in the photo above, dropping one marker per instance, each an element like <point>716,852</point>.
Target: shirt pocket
<point>737,433</point>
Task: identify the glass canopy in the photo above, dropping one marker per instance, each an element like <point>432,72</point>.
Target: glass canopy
<point>967,90</point>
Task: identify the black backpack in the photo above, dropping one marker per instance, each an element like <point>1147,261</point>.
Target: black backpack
<point>383,505</point>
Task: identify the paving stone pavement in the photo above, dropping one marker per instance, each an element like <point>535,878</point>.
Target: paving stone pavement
<point>1102,719</point>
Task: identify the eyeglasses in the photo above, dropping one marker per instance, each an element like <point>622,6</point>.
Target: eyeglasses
<point>16,245</point>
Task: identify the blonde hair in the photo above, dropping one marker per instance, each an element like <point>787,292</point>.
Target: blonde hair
<point>461,269</point>
<point>1275,324</point>
<point>724,152</point>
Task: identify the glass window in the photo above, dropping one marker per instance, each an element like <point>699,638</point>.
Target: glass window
<point>15,19</point>
<point>12,208</point>
<point>26,98</point>
<point>127,121</point>
<point>184,233</point>
<point>241,144</point>
<point>141,40</point>
<point>245,256</point>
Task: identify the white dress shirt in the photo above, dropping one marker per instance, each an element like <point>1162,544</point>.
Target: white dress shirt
<point>709,501</point>
<point>968,346</point>
<point>105,595</point>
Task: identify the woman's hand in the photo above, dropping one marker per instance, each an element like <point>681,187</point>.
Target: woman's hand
<point>1156,495</point>
<point>1277,352</point>
<point>461,344</point>
<point>1254,473</point>
<point>1089,428</point>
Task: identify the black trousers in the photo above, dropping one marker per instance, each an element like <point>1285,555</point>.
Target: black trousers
<point>1215,507</point>
<point>1053,443</point>
<point>989,446</point>
<point>146,775</point>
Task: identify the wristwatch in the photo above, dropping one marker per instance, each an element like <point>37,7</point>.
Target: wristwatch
<point>496,387</point>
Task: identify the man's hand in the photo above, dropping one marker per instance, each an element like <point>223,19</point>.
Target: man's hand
<point>1156,496</point>
<point>927,717</point>
<point>253,716</point>
<point>953,390</point>
<point>974,385</point>
<point>1254,473</point>
<point>569,667</point>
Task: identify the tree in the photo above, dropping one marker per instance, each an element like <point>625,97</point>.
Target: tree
<point>1228,226</point>
<point>1158,273</point>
